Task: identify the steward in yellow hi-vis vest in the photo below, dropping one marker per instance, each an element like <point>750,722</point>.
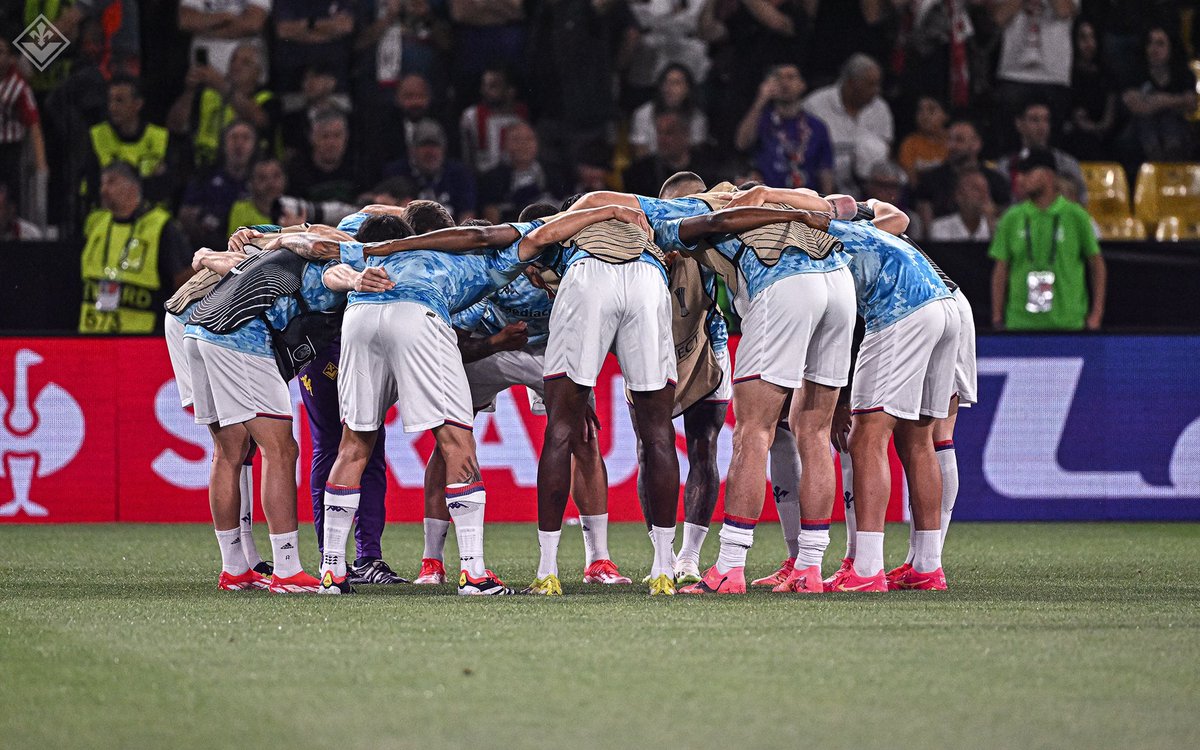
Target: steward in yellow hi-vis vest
<point>126,137</point>
<point>131,257</point>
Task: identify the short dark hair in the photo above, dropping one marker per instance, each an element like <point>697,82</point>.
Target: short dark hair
<point>1034,102</point>
<point>680,178</point>
<point>132,82</point>
<point>474,223</point>
<point>381,227</point>
<point>122,169</point>
<point>748,184</point>
<point>537,211</point>
<point>426,216</point>
<point>567,203</point>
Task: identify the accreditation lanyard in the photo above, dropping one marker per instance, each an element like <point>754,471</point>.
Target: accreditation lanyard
<point>1053,241</point>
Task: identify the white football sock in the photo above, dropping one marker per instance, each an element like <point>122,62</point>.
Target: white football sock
<point>595,537</point>
<point>785,484</point>
<point>249,548</point>
<point>869,560</point>
<point>435,538</point>
<point>663,538</point>
<point>341,503</point>
<point>912,538</point>
<point>928,556</point>
<point>693,539</point>
<point>548,544</point>
<point>848,498</point>
<point>465,503</point>
<point>233,561</point>
<point>948,462</point>
<point>736,541</point>
<point>812,541</point>
<point>286,548</point>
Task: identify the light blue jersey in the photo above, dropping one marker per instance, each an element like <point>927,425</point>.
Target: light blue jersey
<point>352,223</point>
<point>444,282</point>
<point>891,277</point>
<point>755,275</point>
<point>519,301</point>
<point>254,338</point>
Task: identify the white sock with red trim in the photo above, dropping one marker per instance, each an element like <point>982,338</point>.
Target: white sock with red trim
<point>812,541</point>
<point>737,537</point>
<point>233,561</point>
<point>465,503</point>
<point>785,484</point>
<point>341,503</point>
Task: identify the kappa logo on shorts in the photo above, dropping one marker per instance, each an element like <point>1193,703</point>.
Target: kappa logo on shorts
<point>36,439</point>
<point>307,383</point>
<point>335,509</point>
<point>456,505</point>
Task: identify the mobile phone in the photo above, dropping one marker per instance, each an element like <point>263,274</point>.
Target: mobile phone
<point>201,56</point>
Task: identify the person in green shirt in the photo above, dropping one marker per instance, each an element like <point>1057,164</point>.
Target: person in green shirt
<point>1041,248</point>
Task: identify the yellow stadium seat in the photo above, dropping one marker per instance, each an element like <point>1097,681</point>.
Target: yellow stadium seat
<point>1168,189</point>
<point>1175,229</point>
<point>1127,228</point>
<point>1108,191</point>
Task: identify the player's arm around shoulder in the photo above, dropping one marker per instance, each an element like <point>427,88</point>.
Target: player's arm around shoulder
<point>340,277</point>
<point>601,198</point>
<point>564,226</point>
<point>739,219</point>
<point>449,240</point>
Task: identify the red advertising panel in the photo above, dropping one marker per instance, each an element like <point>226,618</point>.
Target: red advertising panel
<point>91,430</point>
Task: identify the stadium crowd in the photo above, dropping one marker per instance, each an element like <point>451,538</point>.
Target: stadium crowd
<point>237,111</point>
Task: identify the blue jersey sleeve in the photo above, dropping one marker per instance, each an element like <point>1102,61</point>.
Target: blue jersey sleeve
<point>352,255</point>
<point>666,236</point>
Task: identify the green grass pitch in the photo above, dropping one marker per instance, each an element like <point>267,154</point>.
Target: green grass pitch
<point>1051,636</point>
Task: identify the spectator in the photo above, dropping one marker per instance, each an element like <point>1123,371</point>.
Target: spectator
<point>434,176</point>
<point>859,120</point>
<point>12,227</point>
<point>266,186</point>
<point>124,136</point>
<point>120,35</point>
<point>931,52</point>
<point>20,127</point>
<point>324,173</point>
<point>576,49</point>
<point>134,257</point>
<point>219,29</point>
<point>673,33</point>
<point>1159,105</point>
<point>794,148</point>
<point>592,168</point>
<point>751,37</point>
<point>390,137</point>
<point>975,219</point>
<point>1041,248</point>
<point>935,191</point>
<point>487,34</point>
<point>69,20</point>
<point>520,180</point>
<point>309,32</point>
<point>1035,53</point>
<point>1093,98</point>
<point>887,182</point>
<point>926,148</point>
<point>393,191</point>
<point>426,41</point>
<point>482,125</point>
<point>210,102</point>
<point>1033,127</point>
<point>675,93</point>
<point>378,48</point>
<point>318,93</point>
<point>675,154</point>
<point>204,212</point>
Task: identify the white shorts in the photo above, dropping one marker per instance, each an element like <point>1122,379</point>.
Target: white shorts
<point>966,380</point>
<point>401,349</point>
<point>724,392</point>
<point>799,328</point>
<point>491,375</point>
<point>231,387</point>
<point>602,307</point>
<point>907,368</point>
<point>179,359</point>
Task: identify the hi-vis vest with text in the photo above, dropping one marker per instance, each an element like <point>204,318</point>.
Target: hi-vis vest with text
<point>126,253</point>
<point>144,154</point>
<point>214,114</point>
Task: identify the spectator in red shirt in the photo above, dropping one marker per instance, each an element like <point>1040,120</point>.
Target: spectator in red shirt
<point>19,122</point>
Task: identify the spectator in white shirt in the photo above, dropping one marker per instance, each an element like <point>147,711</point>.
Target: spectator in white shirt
<point>676,93</point>
<point>859,120</point>
<point>220,26</point>
<point>975,219</point>
<point>1035,53</point>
